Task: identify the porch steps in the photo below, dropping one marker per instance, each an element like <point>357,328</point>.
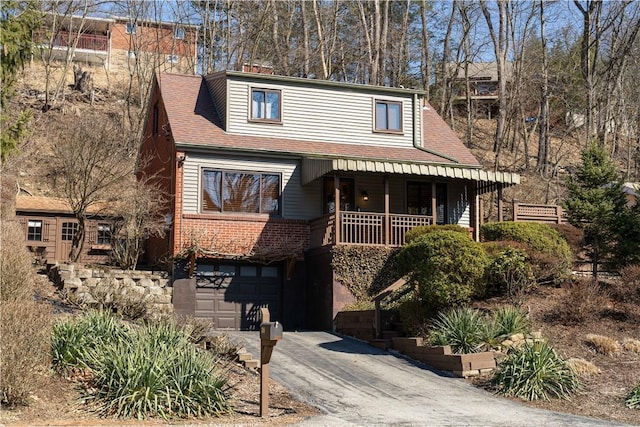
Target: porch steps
<point>246,359</point>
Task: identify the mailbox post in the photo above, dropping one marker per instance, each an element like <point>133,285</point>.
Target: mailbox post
<point>270,334</point>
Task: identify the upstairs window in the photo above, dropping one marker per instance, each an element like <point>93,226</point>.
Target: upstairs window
<point>104,234</point>
<point>34,230</point>
<point>265,105</point>
<point>242,192</point>
<point>388,116</point>
<point>131,28</point>
<point>173,59</point>
<point>178,33</point>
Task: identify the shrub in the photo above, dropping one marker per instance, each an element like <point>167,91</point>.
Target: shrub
<point>414,315</point>
<point>421,230</point>
<point>25,324</point>
<point>113,296</point>
<point>16,281</point>
<point>157,372</point>
<point>603,344</point>
<point>534,371</point>
<point>140,372</point>
<point>461,328</point>
<point>447,266</point>
<point>573,235</point>
<point>548,252</point>
<point>627,288</point>
<point>583,367</point>
<point>509,273</point>
<point>25,330</point>
<point>74,340</point>
<point>580,298</point>
<point>633,400</point>
<point>632,345</point>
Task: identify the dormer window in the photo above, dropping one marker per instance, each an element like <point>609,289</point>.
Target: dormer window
<point>131,28</point>
<point>388,116</point>
<point>265,105</point>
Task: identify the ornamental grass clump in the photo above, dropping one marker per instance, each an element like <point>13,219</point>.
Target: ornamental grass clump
<point>462,328</point>
<point>534,371</point>
<point>157,372</point>
<point>510,320</point>
<point>74,340</point>
<point>140,372</point>
<point>603,344</point>
<point>633,400</point>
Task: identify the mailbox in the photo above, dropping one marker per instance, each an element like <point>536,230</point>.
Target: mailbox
<point>271,331</point>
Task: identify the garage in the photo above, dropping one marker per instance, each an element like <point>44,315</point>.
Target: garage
<point>232,293</point>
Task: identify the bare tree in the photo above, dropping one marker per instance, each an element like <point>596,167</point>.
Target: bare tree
<point>138,213</point>
<point>93,161</point>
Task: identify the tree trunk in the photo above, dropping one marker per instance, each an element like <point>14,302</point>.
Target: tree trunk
<point>82,80</point>
<point>78,239</point>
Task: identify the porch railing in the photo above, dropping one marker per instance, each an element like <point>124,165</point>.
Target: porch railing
<point>65,39</point>
<point>364,228</point>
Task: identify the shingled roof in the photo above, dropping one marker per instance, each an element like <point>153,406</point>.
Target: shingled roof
<point>194,121</point>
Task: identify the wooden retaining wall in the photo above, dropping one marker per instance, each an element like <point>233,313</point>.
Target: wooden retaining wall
<point>441,357</point>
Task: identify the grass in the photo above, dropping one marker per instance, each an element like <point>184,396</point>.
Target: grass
<point>632,345</point>
<point>602,344</point>
<point>534,371</point>
<point>583,367</point>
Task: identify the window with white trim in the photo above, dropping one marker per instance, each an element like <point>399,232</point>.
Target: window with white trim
<point>266,105</point>
<point>179,33</point>
<point>388,116</point>
<point>34,230</point>
<point>240,192</point>
<point>131,28</point>
<point>104,234</point>
<point>173,59</point>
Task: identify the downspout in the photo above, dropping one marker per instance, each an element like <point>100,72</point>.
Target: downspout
<point>418,144</point>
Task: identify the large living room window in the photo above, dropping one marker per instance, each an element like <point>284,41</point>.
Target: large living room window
<point>265,105</point>
<point>240,192</point>
<point>388,116</point>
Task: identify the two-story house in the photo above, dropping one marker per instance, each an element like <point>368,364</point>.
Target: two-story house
<point>484,91</point>
<point>267,173</point>
<point>114,43</point>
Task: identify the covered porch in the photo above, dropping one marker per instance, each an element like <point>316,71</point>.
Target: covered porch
<point>379,212</point>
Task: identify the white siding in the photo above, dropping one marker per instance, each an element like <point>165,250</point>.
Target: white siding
<point>320,114</point>
<point>297,202</point>
<point>217,85</point>
<point>458,203</point>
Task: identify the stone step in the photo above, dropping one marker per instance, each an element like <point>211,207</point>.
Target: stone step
<point>252,364</point>
<point>242,357</point>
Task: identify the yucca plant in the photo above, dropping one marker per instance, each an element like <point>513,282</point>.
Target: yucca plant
<point>534,371</point>
<point>510,320</point>
<point>633,400</point>
<point>462,328</point>
<point>157,372</point>
<point>74,340</point>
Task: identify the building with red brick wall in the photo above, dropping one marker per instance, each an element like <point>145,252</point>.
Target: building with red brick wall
<point>114,43</point>
<point>267,174</point>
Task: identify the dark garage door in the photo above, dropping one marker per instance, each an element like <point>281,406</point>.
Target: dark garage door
<point>232,294</point>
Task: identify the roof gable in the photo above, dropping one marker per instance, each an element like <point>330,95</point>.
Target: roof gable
<point>195,123</point>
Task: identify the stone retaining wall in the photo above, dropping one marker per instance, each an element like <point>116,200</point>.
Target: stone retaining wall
<point>154,286</point>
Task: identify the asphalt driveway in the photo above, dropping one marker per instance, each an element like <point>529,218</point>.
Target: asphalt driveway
<point>354,384</point>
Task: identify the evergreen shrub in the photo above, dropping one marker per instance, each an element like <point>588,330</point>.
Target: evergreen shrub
<point>421,230</point>
<point>549,253</point>
<point>447,266</point>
